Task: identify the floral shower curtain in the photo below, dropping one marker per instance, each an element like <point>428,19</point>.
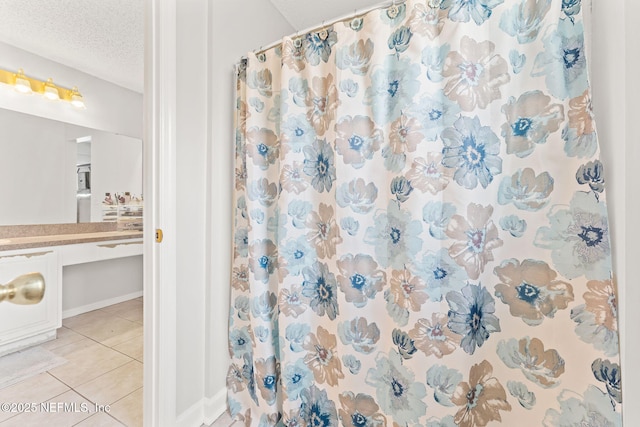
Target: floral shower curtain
<point>421,234</point>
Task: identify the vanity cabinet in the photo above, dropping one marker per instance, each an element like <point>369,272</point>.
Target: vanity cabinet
<point>22,326</point>
<point>26,325</point>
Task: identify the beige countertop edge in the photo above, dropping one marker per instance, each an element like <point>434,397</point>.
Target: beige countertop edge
<point>16,243</point>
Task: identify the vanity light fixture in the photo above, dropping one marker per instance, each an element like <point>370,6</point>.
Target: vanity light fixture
<point>22,84</point>
<point>51,91</point>
<point>48,88</point>
<point>76,98</point>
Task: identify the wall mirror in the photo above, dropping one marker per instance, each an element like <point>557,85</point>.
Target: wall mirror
<point>54,172</point>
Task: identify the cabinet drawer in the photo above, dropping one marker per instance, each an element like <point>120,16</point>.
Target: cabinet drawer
<point>99,251</point>
<point>22,322</point>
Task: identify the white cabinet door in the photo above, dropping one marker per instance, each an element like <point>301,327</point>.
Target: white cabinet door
<point>25,325</point>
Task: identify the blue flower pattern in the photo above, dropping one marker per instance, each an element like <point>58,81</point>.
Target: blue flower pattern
<point>473,151</point>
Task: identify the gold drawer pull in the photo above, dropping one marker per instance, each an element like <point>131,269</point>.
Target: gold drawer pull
<point>24,290</point>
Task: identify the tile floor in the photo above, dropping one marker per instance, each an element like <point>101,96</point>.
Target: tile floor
<point>224,421</point>
<point>103,349</point>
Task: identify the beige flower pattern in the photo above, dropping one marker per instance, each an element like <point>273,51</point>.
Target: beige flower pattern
<point>581,114</point>
<point>293,179</point>
<point>602,301</point>
<point>409,291</point>
<point>475,74</point>
<point>481,398</point>
<point>428,174</point>
<point>476,236</point>
<point>322,102</point>
<point>433,337</point>
<point>405,135</point>
<point>322,358</point>
<point>323,233</point>
<point>427,21</point>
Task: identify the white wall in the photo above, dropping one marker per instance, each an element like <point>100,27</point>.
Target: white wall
<point>87,286</point>
<point>615,60</point>
<point>191,149</point>
<point>236,28</point>
<point>631,55</point>
<point>211,37</point>
<point>109,107</point>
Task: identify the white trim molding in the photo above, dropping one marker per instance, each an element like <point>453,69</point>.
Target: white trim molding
<point>215,406</point>
<point>100,304</point>
<point>205,411</point>
<point>160,212</point>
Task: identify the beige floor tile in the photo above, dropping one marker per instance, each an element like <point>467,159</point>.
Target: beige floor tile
<point>64,336</point>
<point>66,410</point>
<point>130,310</point>
<point>114,385</point>
<point>88,363</point>
<point>74,347</point>
<point>100,419</point>
<point>132,348</point>
<point>134,314</point>
<point>133,331</point>
<point>85,318</point>
<point>128,410</point>
<point>223,421</point>
<point>123,306</point>
<point>36,389</point>
<point>104,328</point>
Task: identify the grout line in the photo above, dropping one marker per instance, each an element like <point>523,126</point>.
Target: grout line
<point>127,395</point>
<point>106,413</point>
<point>122,398</point>
<point>74,389</point>
<point>117,367</point>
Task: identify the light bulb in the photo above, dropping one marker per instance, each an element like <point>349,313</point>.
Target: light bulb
<point>76,99</point>
<point>22,85</point>
<point>51,91</point>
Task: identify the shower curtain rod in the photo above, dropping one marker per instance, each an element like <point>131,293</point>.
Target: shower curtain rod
<point>333,21</point>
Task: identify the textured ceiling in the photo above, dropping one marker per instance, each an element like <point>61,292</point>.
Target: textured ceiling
<point>302,14</point>
<point>104,38</point>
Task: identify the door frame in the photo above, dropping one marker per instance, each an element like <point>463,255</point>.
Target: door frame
<point>160,311</point>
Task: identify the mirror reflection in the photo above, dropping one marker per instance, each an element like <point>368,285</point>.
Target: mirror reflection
<point>53,172</point>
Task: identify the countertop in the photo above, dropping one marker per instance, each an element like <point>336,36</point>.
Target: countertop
<point>28,242</point>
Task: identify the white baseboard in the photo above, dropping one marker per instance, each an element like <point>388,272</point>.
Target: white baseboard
<point>100,304</point>
<point>192,417</point>
<point>215,406</point>
<point>205,411</point>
